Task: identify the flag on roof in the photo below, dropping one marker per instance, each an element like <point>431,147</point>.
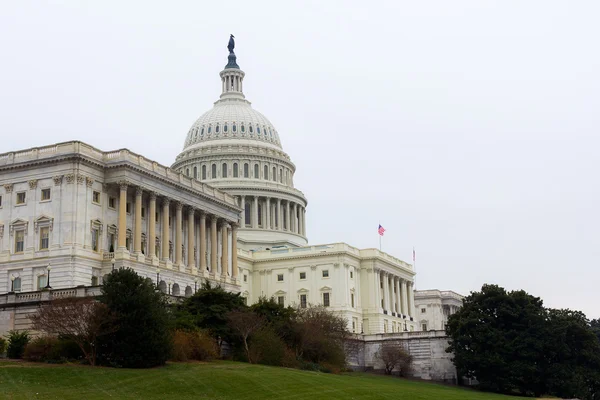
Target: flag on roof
<point>380,230</point>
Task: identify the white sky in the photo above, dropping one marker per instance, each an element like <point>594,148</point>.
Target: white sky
<point>470,129</point>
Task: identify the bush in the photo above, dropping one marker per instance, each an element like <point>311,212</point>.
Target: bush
<point>52,349</point>
<point>267,348</point>
<point>16,343</point>
<point>195,345</point>
<point>3,345</point>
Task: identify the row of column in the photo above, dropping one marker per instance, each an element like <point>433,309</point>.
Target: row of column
<point>191,236</point>
<point>277,214</point>
<point>395,293</point>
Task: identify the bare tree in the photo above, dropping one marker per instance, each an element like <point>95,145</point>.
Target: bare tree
<point>245,323</point>
<point>394,356</point>
<point>81,319</point>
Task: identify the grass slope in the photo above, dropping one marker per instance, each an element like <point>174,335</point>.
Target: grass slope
<point>218,380</point>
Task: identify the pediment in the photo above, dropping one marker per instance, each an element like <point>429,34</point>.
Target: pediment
<point>18,224</point>
<point>280,292</point>
<point>302,290</point>
<point>325,288</point>
<point>43,221</point>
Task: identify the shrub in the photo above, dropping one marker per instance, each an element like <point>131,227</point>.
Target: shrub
<point>52,349</point>
<point>195,345</point>
<point>16,343</point>
<point>3,345</point>
<point>267,348</point>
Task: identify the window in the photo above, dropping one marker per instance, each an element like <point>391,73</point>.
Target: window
<point>235,170</point>
<point>45,194</point>
<point>250,128</point>
<point>325,273</point>
<point>95,236</point>
<point>217,128</point>
<point>21,198</point>
<point>19,241</point>
<point>214,171</point>
<point>280,175</point>
<point>247,214</point>
<point>16,284</point>
<point>234,128</point>
<point>143,212</point>
<point>281,300</point>
<point>352,300</point>
<point>204,172</point>
<point>326,299</point>
<point>187,172</point>
<point>246,171</point>
<point>96,197</point>
<point>258,130</point>
<point>245,278</point>
<point>42,281</point>
<point>195,172</point>
<point>0,201</point>
<point>423,310</point>
<point>112,202</point>
<point>274,177</point>
<point>128,208</point>
<point>302,275</point>
<point>94,281</point>
<point>224,171</point>
<point>424,327</point>
<point>225,128</point>
<point>209,129</point>
<point>44,238</point>
<point>279,277</point>
<point>255,171</point>
<point>351,275</point>
<point>302,301</point>
<point>260,214</point>
<point>353,326</point>
<point>266,173</point>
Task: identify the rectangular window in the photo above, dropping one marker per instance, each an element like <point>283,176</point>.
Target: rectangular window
<point>143,212</point>
<point>128,208</point>
<point>325,273</point>
<point>326,299</point>
<point>44,238</point>
<point>16,285</point>
<point>424,327</point>
<point>245,278</point>
<point>19,241</point>
<point>94,281</point>
<point>21,198</point>
<point>302,275</point>
<point>423,310</point>
<point>352,300</point>
<point>279,277</point>
<point>95,239</point>
<point>353,326</point>
<point>281,300</point>
<point>156,217</point>
<point>351,275</point>
<point>303,301</point>
<point>96,197</point>
<point>112,202</point>
<point>45,194</point>
<point>42,282</point>
<point>0,201</point>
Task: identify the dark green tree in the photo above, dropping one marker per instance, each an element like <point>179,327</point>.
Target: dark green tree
<point>143,335</point>
<point>208,309</point>
<point>281,319</point>
<point>595,325</point>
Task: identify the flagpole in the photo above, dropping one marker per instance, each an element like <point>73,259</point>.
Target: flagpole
<point>415,268</point>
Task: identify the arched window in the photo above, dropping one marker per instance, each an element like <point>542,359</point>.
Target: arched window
<point>187,172</point>
<point>243,129</point>
<point>195,172</point>
<point>202,132</point>
<point>225,128</point>
<point>266,171</point>
<point>274,177</point>
<point>217,128</point>
<point>209,128</point>
<point>256,171</point>
<point>234,128</point>
<point>250,127</point>
<point>258,130</point>
<point>235,170</point>
<point>246,171</point>
<point>224,171</point>
<point>204,172</point>
<point>260,213</point>
<point>280,175</point>
<point>247,213</point>
<point>213,171</point>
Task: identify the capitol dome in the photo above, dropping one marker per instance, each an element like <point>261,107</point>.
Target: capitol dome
<point>238,150</point>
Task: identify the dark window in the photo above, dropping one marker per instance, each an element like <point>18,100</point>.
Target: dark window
<point>224,171</point>
<point>195,172</point>
<point>274,177</point>
<point>325,273</point>
<point>234,128</point>
<point>46,194</point>
<point>279,277</point>
<point>302,275</point>
<point>258,130</point>
<point>246,171</point>
<point>203,172</point>
<point>247,214</point>
<point>217,128</point>
<point>303,301</point>
<point>243,129</point>
<point>266,171</point>
<point>235,170</point>
<point>281,300</point>
<point>326,299</point>
<point>214,171</point>
<point>256,171</point>
<point>225,128</point>
<point>209,128</point>
<point>21,198</point>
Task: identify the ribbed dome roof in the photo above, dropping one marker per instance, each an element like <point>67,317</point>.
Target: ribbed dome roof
<point>232,119</point>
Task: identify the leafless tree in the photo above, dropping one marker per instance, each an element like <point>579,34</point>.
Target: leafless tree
<point>81,319</point>
<point>245,323</point>
<point>394,356</point>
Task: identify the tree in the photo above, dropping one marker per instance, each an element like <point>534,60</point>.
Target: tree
<point>281,319</point>
<point>143,338</point>
<point>595,325</point>
<point>82,320</point>
<point>208,309</point>
<point>245,323</point>
<point>17,340</point>
<point>393,355</point>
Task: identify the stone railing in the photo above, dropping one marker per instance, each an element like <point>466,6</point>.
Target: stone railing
<point>112,157</point>
<point>47,295</point>
<point>405,335</point>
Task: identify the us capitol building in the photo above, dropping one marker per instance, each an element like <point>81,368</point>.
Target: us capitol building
<point>226,212</point>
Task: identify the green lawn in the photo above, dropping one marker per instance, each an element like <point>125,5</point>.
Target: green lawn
<point>217,380</point>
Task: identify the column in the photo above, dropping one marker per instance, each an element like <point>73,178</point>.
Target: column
<point>287,216</point>
<point>202,255</point>
<point>268,214</point>
<point>152,226</point>
<point>293,224</point>
<point>213,244</point>
<point>279,216</point>
<point>122,216</point>
<point>234,259</point>
<point>398,295</point>
<point>243,206</point>
<point>377,289</point>
<point>191,239</point>
<point>303,221</point>
<point>137,239</point>
<point>411,301</point>
<point>300,222</point>
<point>178,233</point>
<point>255,213</point>
<point>165,229</point>
<point>386,292</point>
<point>224,249</point>
<point>404,298</point>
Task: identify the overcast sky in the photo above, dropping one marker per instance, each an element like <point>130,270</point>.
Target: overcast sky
<point>469,129</point>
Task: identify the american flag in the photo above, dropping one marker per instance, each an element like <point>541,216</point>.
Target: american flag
<point>380,230</point>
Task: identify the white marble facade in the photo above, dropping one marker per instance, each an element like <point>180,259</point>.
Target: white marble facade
<point>227,211</point>
<point>433,307</point>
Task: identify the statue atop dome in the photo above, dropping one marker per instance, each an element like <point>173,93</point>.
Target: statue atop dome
<point>231,59</point>
<point>231,44</point>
